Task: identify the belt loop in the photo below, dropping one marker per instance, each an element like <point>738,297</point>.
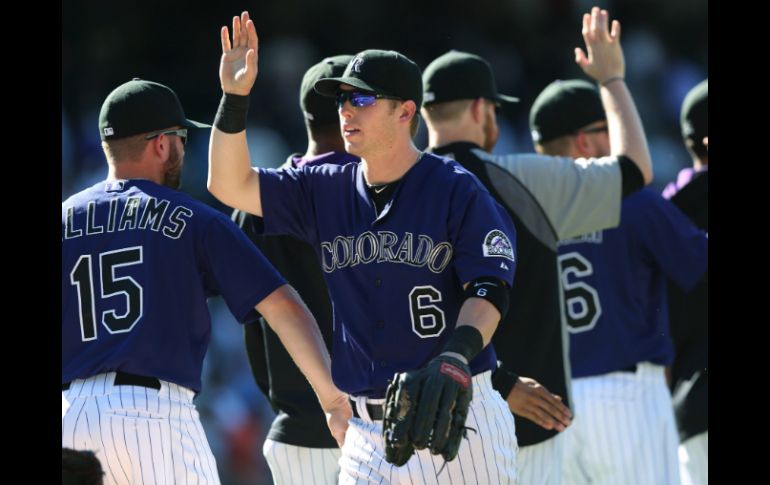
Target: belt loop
<point>366,410</point>
<point>360,402</point>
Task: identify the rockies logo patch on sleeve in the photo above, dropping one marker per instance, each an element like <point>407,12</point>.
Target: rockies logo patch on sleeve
<point>496,243</point>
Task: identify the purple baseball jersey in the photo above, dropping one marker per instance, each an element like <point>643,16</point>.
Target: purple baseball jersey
<point>683,178</point>
<point>396,278</point>
<point>139,261</point>
<point>614,284</point>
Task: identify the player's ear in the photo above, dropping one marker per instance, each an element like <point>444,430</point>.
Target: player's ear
<point>159,145</point>
<point>408,109</point>
<point>477,110</point>
<point>583,144</point>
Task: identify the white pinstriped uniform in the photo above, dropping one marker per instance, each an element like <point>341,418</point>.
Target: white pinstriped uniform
<point>488,456</point>
<point>540,464</point>
<point>694,460</point>
<point>290,464</point>
<point>140,435</point>
<point>624,430</point>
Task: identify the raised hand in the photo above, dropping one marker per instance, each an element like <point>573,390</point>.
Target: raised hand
<point>604,60</point>
<point>238,66</point>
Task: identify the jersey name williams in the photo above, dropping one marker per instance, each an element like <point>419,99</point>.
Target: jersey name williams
<point>138,213</point>
<point>385,247</point>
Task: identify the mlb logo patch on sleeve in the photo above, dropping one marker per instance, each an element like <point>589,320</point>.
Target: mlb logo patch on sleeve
<point>496,243</point>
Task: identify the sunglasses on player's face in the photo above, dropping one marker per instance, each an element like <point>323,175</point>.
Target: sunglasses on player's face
<point>358,99</point>
<point>181,133</point>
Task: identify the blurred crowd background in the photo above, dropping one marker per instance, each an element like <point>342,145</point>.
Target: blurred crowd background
<point>529,43</point>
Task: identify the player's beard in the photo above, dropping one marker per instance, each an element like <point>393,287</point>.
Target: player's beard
<point>172,175</point>
<point>491,132</point>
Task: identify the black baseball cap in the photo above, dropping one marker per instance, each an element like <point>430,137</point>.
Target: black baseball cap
<point>564,107</point>
<point>141,106</point>
<point>460,75</point>
<point>695,112</point>
<point>382,72</point>
<point>316,108</point>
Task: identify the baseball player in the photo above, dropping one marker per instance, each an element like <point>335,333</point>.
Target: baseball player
<point>139,260</point>
<point>549,198</point>
<point>689,311</point>
<point>614,302</point>
<point>299,447</point>
<point>407,242</point>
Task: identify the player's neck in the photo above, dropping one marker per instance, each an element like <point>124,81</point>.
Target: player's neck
<point>129,171</point>
<point>387,167</point>
<point>454,133</point>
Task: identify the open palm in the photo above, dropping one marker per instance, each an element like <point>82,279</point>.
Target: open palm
<point>238,66</point>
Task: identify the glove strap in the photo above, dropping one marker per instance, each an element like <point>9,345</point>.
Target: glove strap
<point>455,373</point>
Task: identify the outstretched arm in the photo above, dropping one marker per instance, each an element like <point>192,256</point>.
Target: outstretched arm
<point>606,65</point>
<point>231,178</point>
<point>292,321</point>
<point>531,400</point>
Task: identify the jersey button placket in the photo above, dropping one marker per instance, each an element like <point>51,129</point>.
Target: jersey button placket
<point>377,282</point>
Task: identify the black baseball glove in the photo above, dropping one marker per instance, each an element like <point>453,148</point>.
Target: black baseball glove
<point>427,408</point>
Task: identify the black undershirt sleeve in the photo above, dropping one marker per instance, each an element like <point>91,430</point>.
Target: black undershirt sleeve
<point>631,176</point>
<point>503,380</point>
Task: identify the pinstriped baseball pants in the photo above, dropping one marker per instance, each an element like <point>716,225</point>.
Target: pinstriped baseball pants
<point>540,464</point>
<point>140,435</point>
<point>488,456</point>
<point>290,464</point>
<point>623,431</point>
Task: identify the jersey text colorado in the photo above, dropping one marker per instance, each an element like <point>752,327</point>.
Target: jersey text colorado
<point>385,246</point>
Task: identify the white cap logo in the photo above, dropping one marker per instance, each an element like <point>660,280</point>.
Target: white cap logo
<point>109,131</point>
<point>355,64</point>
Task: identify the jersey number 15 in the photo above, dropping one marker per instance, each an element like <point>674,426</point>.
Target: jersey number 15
<point>82,276</point>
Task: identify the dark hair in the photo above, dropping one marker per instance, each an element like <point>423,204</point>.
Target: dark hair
<point>80,467</point>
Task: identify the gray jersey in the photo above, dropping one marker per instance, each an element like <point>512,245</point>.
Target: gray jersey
<point>549,199</point>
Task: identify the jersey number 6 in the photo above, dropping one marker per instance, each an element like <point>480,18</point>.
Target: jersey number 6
<point>82,277</point>
<point>427,319</point>
<point>581,300</point>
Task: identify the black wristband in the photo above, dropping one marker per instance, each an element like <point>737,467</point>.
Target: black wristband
<point>503,380</point>
<point>231,115</point>
<point>466,341</point>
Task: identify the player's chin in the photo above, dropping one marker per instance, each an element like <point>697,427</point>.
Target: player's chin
<point>353,148</point>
